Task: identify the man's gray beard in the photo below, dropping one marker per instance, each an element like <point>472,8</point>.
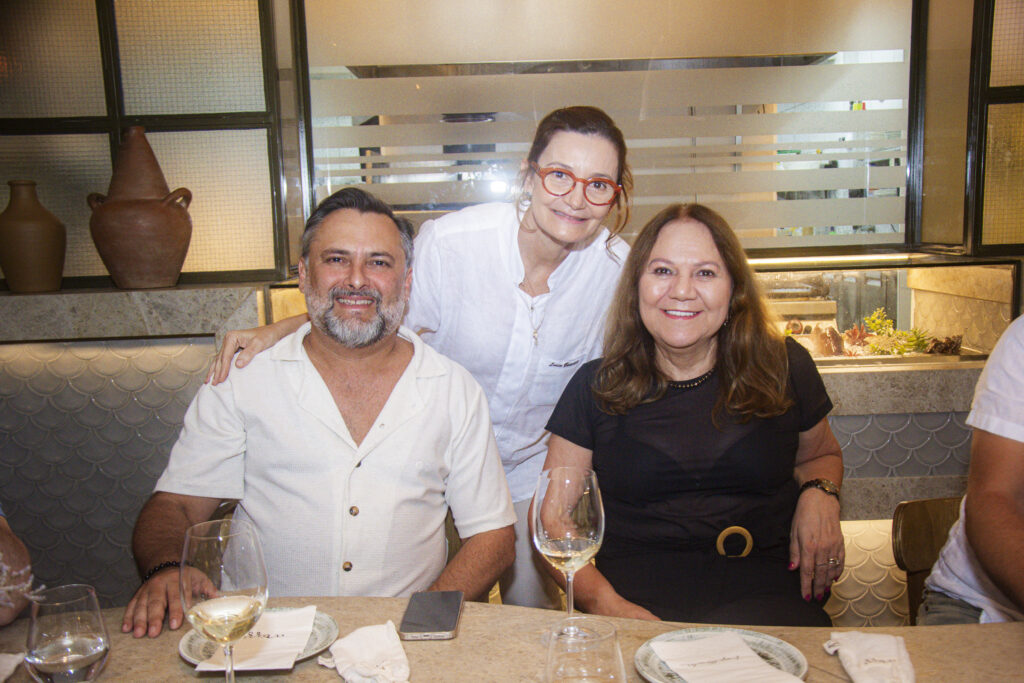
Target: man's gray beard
<point>355,334</point>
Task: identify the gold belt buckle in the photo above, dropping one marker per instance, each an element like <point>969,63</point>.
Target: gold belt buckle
<point>727,532</point>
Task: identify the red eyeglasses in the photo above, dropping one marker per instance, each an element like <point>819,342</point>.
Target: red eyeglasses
<point>560,182</point>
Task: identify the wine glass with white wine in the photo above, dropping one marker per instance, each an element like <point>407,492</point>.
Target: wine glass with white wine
<point>567,520</point>
<point>223,583</point>
<point>67,639</point>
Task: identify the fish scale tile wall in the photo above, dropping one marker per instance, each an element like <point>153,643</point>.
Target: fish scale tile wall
<point>86,428</point>
<point>872,590</point>
<point>929,444</point>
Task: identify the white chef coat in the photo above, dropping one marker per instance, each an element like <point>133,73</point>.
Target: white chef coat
<point>466,302</point>
<point>335,518</point>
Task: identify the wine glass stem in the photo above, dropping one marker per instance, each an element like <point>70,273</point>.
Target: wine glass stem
<point>568,594</point>
<point>229,664</point>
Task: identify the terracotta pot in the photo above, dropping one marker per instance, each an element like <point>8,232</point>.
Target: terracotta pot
<point>141,229</point>
<point>32,242</point>
<point>143,242</point>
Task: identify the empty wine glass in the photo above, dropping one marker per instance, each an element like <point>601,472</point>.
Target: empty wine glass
<point>567,521</point>
<point>584,649</point>
<point>67,639</point>
<point>223,582</point>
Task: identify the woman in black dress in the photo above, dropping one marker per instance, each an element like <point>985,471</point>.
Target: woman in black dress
<point>708,434</point>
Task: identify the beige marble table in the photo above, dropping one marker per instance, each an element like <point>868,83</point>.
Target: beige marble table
<point>503,643</point>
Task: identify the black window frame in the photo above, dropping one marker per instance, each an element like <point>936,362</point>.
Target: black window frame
<point>115,121</point>
<point>981,98</point>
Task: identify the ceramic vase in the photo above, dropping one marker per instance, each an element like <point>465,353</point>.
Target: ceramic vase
<point>32,242</point>
<point>141,229</point>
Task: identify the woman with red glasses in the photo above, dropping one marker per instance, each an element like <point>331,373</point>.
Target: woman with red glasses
<point>517,294</point>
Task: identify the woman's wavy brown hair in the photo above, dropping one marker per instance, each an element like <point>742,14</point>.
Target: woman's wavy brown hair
<point>752,363</point>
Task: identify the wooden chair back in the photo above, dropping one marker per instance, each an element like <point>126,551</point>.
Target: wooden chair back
<point>919,530</point>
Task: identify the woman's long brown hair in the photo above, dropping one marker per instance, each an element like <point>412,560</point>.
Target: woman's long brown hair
<point>752,363</point>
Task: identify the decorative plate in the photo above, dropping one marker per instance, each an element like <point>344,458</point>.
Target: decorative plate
<point>778,653</point>
<point>193,648</point>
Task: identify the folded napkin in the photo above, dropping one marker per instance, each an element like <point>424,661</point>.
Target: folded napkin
<point>371,654</point>
<point>718,658</point>
<point>272,643</point>
<point>8,663</point>
<point>872,657</point>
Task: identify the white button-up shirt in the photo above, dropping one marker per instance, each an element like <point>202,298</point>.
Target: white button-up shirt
<point>466,302</point>
<point>336,518</point>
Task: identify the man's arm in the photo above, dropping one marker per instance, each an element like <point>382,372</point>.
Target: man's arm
<point>994,512</point>
<point>16,558</point>
<point>159,537</point>
<point>478,564</point>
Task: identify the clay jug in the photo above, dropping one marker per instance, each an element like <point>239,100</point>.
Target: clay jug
<point>32,242</point>
<point>140,228</point>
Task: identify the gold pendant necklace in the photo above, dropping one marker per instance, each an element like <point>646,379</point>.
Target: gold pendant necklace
<point>536,326</point>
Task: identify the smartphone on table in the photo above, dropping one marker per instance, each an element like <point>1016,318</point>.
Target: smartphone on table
<point>431,615</point>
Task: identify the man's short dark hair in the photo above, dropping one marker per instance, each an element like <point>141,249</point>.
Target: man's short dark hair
<point>363,202</point>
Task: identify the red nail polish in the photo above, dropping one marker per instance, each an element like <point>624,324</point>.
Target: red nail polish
<point>807,598</point>
<point>792,566</point>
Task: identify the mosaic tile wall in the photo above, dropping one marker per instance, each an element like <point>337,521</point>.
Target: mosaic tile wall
<point>86,427</point>
<point>929,444</point>
<point>85,430</point>
<point>872,590</point>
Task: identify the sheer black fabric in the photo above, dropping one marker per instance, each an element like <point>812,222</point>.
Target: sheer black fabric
<point>671,480</point>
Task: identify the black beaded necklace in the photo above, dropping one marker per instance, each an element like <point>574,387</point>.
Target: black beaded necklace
<point>691,383</point>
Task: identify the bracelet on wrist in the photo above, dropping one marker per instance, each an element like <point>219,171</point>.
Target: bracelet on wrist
<point>159,568</point>
<point>826,485</point>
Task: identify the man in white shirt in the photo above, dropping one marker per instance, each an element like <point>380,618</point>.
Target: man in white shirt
<point>345,444</point>
<point>979,576</point>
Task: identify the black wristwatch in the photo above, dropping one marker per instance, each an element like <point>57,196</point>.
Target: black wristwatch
<point>826,485</point>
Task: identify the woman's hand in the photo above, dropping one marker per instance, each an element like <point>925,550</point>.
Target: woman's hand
<point>815,538</point>
<point>248,343</point>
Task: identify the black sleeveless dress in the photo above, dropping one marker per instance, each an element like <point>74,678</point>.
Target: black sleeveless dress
<point>671,481</point>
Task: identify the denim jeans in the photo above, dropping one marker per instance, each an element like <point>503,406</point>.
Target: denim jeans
<point>938,609</point>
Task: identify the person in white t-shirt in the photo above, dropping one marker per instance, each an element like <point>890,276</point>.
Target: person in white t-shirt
<point>345,445</point>
<point>517,294</point>
<point>979,576</point>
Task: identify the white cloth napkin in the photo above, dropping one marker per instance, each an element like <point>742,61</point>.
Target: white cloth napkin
<point>272,643</point>
<point>371,654</point>
<point>872,657</point>
<point>8,663</point>
<point>718,658</point>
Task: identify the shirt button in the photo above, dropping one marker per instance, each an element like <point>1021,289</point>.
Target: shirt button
<point>353,511</point>
<point>347,566</point>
